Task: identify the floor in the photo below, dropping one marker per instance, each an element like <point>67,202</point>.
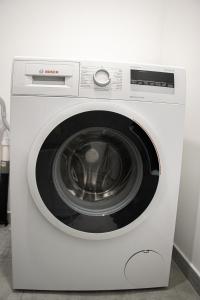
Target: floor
<point>179,287</point>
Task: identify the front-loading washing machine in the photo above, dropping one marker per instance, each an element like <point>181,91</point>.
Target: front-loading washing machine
<point>95,166</point>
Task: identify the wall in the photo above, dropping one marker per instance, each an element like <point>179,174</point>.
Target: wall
<point>148,31</point>
<point>181,46</point>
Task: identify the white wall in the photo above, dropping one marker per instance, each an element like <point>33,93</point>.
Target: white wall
<point>148,31</point>
<point>181,46</point>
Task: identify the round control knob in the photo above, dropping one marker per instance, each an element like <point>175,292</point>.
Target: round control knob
<point>101,77</point>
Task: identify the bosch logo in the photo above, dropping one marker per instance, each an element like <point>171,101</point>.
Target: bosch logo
<point>48,71</point>
<point>51,72</point>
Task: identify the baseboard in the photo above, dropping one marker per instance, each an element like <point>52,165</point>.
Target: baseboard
<point>186,267</point>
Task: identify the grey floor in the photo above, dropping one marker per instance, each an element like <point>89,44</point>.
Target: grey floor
<point>179,287</point>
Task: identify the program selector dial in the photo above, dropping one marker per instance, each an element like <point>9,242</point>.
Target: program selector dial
<point>101,77</point>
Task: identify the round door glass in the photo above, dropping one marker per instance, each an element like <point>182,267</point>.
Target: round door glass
<point>97,171</point>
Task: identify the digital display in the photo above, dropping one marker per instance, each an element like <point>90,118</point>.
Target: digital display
<point>152,78</point>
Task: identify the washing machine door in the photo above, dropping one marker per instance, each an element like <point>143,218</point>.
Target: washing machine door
<point>96,172</point>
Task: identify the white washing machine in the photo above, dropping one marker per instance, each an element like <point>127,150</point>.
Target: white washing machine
<point>95,167</point>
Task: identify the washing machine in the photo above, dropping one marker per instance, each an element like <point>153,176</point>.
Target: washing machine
<point>95,167</point>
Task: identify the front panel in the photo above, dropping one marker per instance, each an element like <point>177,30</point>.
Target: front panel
<point>35,241</point>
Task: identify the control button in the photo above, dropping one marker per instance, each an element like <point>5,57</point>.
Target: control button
<point>101,77</point>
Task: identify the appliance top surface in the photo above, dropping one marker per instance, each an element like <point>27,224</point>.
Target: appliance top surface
<point>98,80</point>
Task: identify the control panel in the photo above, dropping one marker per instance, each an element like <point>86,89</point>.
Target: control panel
<point>99,80</point>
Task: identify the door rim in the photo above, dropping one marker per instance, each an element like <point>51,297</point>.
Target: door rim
<point>46,130</point>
